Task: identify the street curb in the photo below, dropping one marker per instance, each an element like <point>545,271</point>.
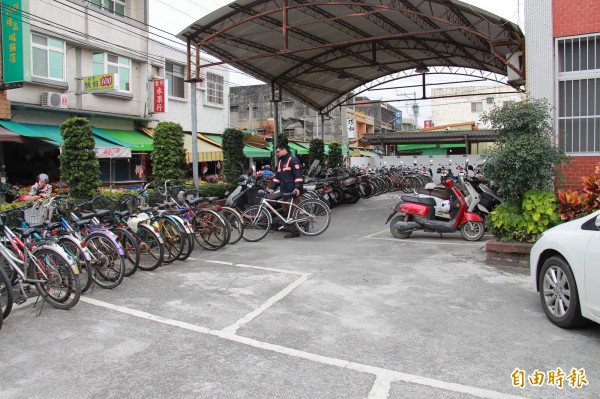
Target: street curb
<point>513,253</point>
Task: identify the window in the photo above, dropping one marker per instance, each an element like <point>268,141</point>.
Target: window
<point>477,107</point>
<point>214,84</point>
<point>175,73</point>
<point>112,6</point>
<point>48,57</point>
<point>110,63</point>
<point>489,100</point>
<point>578,104</point>
<point>287,105</point>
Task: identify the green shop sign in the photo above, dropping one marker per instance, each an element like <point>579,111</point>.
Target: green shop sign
<point>15,41</point>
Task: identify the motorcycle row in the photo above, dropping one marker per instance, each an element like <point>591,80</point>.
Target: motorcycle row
<point>460,203</point>
<point>65,247</point>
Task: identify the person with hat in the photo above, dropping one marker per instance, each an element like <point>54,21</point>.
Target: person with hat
<point>41,189</point>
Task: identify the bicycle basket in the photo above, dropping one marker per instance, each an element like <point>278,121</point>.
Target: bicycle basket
<point>38,213</point>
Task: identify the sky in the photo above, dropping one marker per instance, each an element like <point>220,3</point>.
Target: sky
<point>173,16</point>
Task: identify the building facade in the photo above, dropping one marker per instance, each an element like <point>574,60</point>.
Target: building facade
<point>79,39</point>
<point>472,103</point>
<point>563,67</point>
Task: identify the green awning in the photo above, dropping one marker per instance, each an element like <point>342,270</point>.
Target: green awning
<point>249,151</point>
<point>134,139</point>
<point>414,147</point>
<point>50,133</point>
<point>456,145</point>
<point>297,148</point>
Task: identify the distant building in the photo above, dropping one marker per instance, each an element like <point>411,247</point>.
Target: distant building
<point>474,101</point>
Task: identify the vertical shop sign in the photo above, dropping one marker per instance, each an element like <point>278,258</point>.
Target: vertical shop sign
<point>161,99</point>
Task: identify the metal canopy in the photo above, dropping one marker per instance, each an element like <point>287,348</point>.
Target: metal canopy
<point>319,51</point>
<point>437,137</point>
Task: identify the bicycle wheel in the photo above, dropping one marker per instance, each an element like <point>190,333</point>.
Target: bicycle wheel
<point>152,248</point>
<point>256,222</point>
<point>75,251</point>
<point>234,219</point>
<point>56,282</point>
<point>188,239</point>
<point>211,230</point>
<point>131,248</point>
<point>172,236</point>
<point>108,265</point>
<point>6,294</point>
<point>312,217</point>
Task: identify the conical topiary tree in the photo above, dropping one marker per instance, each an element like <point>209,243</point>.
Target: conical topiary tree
<point>316,151</point>
<point>233,154</point>
<point>79,166</point>
<point>168,156</point>
<point>335,155</point>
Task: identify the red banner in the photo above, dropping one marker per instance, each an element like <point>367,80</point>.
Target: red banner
<point>428,123</point>
<point>160,96</point>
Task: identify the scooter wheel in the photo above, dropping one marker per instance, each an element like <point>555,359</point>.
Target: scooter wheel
<point>472,231</point>
<point>401,234</point>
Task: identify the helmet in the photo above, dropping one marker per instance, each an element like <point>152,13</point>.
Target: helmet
<point>445,206</point>
<point>43,177</point>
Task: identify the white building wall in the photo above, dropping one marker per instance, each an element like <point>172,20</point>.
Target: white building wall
<point>539,51</point>
<point>86,29</point>
<point>211,118</point>
<point>458,109</point>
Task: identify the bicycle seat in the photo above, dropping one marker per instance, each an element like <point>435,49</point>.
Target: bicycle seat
<point>25,231</point>
<point>122,213</point>
<point>81,222</point>
<point>102,212</point>
<point>145,208</point>
<point>194,201</point>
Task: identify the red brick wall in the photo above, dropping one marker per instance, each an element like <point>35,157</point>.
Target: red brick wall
<point>575,17</point>
<point>580,167</point>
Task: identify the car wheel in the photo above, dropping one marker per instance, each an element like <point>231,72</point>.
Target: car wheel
<point>558,293</point>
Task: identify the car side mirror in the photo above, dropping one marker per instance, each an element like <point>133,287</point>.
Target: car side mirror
<point>597,222</point>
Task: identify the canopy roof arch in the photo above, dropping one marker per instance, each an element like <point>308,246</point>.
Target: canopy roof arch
<point>320,51</point>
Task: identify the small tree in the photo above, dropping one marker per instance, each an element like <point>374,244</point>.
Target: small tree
<point>316,151</point>
<point>168,156</point>
<point>335,155</point>
<point>233,152</point>
<point>524,157</point>
<point>79,166</point>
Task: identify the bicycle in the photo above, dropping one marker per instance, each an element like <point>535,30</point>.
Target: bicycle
<point>310,216</point>
<point>42,264</point>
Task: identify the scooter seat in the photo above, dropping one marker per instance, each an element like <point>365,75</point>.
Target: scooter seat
<point>442,194</point>
<point>425,201</point>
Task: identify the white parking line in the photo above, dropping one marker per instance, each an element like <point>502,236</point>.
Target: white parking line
<point>421,241</point>
<point>383,377</point>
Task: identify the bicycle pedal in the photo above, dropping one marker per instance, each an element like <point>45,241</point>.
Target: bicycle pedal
<point>20,300</point>
<point>281,228</point>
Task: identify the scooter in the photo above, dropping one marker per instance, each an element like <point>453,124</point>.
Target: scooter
<point>415,213</point>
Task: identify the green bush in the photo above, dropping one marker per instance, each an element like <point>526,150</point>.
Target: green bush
<point>335,155</point>
<point>168,156</point>
<point>233,152</point>
<point>537,213</point>
<point>316,151</point>
<point>79,167</point>
<point>524,157</point>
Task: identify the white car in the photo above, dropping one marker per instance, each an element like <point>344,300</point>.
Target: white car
<point>565,269</point>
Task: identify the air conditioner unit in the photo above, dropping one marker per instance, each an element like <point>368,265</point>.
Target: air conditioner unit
<point>55,100</point>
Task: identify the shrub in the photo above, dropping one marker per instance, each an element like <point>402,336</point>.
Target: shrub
<point>316,151</point>
<point>79,167</point>
<point>524,157</point>
<point>537,213</point>
<point>573,204</point>
<point>168,156</point>
<point>233,152</point>
<point>335,155</point>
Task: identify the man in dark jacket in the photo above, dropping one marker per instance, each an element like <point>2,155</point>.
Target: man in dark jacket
<point>288,175</point>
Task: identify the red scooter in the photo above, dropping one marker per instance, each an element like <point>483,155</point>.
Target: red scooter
<point>419,213</point>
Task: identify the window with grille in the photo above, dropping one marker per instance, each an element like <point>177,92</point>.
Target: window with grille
<point>578,105</point>
<point>214,86</point>
<point>175,75</point>
<point>477,107</point>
